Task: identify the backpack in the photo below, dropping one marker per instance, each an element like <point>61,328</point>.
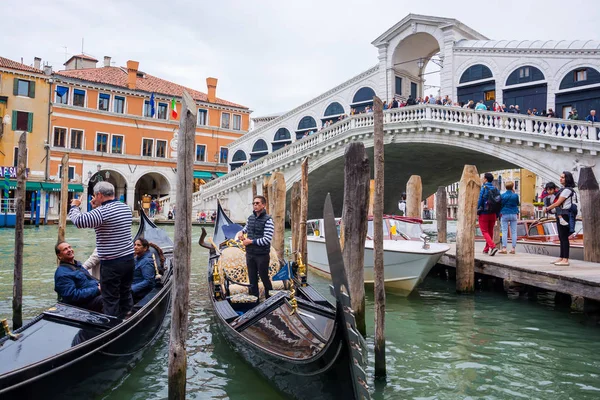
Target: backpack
<point>494,201</point>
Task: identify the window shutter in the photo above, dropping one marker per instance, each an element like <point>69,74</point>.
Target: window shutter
<point>16,86</point>
<point>32,89</point>
<point>29,122</point>
<point>14,121</point>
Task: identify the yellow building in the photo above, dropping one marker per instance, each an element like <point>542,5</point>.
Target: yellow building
<point>24,106</point>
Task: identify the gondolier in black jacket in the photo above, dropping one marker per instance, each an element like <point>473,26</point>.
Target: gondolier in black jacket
<point>111,220</point>
<point>259,230</point>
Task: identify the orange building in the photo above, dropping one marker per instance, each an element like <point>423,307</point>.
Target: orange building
<point>117,124</point>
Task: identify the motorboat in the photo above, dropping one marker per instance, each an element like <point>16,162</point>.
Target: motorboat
<point>541,237</point>
<point>408,255</point>
<point>68,352</point>
<point>305,346</point>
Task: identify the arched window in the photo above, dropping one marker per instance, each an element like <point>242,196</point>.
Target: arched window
<point>580,77</point>
<point>239,158</point>
<point>362,99</point>
<point>524,74</point>
<point>333,112</point>
<point>260,149</point>
<point>476,73</point>
<point>306,125</point>
<point>281,139</point>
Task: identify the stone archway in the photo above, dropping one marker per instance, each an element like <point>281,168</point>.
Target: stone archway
<point>107,175</point>
<point>152,184</point>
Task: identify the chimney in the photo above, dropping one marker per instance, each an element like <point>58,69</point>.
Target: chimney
<point>106,61</point>
<point>132,68</point>
<point>211,83</point>
<point>48,70</point>
<point>37,62</point>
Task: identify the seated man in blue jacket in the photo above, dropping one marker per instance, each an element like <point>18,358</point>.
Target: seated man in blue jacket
<point>73,283</point>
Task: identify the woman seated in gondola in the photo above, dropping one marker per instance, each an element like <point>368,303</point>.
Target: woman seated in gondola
<point>144,273</point>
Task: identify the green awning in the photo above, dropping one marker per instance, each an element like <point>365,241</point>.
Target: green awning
<point>220,174</point>
<point>202,175</point>
<point>55,187</point>
<point>13,185</point>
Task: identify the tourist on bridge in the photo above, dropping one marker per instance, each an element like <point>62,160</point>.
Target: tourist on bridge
<point>487,215</point>
<point>563,203</point>
<point>73,283</point>
<point>509,216</point>
<point>592,117</point>
<point>112,222</point>
<point>259,229</point>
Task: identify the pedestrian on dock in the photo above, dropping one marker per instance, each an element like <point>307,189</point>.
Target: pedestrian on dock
<point>488,199</point>
<point>563,204</point>
<point>112,221</point>
<point>509,215</point>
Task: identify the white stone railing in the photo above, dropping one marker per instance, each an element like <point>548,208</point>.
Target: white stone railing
<point>528,126</point>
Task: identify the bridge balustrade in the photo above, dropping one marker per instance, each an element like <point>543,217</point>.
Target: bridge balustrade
<point>524,124</point>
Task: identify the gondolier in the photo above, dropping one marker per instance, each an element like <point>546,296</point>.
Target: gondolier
<point>112,222</point>
<point>259,229</point>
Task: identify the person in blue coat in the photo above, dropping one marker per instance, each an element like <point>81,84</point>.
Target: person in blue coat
<point>144,273</point>
<point>73,283</point>
<point>509,216</point>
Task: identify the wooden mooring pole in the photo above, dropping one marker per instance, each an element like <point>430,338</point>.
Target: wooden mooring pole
<point>414,197</point>
<point>468,193</point>
<point>64,198</point>
<point>254,192</point>
<point>265,192</point>
<point>278,212</point>
<point>357,172</point>
<point>295,216</point>
<point>302,243</point>
<point>182,250</point>
<point>17,301</point>
<point>380,367</point>
<point>441,214</point>
<point>590,199</point>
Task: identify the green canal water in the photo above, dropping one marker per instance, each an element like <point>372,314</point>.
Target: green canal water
<point>439,345</point>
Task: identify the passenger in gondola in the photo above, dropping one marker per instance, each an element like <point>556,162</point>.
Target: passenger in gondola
<point>73,283</point>
<point>144,273</point>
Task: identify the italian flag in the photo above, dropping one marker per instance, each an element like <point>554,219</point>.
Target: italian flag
<point>173,108</point>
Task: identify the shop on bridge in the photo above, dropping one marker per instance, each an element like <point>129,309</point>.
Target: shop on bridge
<point>526,88</point>
<point>578,89</point>
<point>477,83</point>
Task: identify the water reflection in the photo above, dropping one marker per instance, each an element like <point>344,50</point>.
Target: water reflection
<point>439,345</point>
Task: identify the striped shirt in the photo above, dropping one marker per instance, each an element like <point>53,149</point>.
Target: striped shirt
<point>268,234</point>
<point>112,223</point>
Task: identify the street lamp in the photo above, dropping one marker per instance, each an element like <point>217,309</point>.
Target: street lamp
<point>420,63</point>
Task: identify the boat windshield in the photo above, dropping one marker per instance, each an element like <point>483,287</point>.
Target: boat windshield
<point>521,230</point>
<point>579,227</point>
<point>412,230</point>
<point>545,229</point>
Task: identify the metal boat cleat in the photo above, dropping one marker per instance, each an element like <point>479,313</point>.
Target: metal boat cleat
<point>7,332</point>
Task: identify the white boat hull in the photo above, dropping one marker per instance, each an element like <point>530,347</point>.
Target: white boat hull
<point>547,249</point>
<point>406,263</point>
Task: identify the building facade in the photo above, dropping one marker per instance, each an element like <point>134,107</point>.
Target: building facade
<point>119,124</point>
<point>24,107</point>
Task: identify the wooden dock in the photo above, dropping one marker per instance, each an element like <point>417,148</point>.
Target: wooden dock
<point>579,280</point>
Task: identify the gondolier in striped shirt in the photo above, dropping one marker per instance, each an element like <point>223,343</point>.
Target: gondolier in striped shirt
<point>259,229</point>
<point>111,220</point>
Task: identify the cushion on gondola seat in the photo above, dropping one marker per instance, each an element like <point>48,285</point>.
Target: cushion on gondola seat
<point>243,298</point>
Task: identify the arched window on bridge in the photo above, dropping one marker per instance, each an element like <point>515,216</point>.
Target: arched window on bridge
<point>362,99</point>
<point>483,87</point>
<point>260,149</point>
<point>239,159</point>
<point>306,125</point>
<point>333,112</point>
<point>532,92</point>
<point>576,91</point>
<point>281,139</point>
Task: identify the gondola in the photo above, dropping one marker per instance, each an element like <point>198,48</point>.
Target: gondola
<point>304,345</point>
<point>70,353</point>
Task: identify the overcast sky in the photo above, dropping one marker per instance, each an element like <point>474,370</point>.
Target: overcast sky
<point>270,56</point>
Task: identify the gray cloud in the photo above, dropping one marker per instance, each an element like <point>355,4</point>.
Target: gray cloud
<point>268,55</point>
